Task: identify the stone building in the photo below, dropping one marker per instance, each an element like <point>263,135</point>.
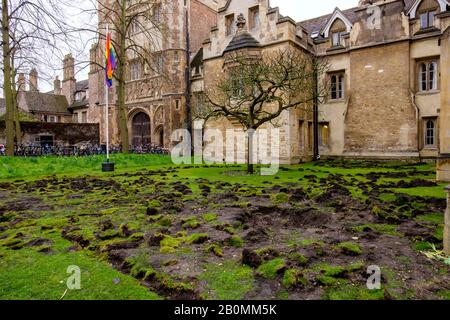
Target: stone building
<point>388,77</point>
<point>156,96</point>
<point>264,29</point>
<point>47,118</point>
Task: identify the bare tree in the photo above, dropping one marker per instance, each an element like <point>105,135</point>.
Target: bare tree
<point>257,89</point>
<point>137,28</point>
<point>32,33</point>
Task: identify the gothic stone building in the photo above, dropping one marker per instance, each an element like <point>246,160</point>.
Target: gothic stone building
<point>388,78</point>
<point>156,97</point>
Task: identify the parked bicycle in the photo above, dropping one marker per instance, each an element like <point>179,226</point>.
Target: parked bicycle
<point>37,150</point>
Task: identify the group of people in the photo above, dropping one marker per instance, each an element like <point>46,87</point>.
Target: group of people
<point>35,150</point>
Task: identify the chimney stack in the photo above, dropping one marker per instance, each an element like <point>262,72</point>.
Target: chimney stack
<point>33,80</point>
<point>69,82</point>
<point>57,86</point>
<point>21,82</point>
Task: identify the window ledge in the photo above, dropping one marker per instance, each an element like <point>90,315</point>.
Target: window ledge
<point>426,30</point>
<point>335,101</point>
<point>430,148</point>
<point>428,93</point>
<point>336,48</point>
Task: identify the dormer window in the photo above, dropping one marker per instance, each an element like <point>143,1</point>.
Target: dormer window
<point>427,19</point>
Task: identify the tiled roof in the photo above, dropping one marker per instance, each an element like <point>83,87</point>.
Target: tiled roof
<point>80,104</point>
<point>44,102</point>
<point>353,15</point>
<point>82,85</point>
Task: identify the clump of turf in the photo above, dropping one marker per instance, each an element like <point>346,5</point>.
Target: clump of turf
<point>214,248</point>
<point>350,248</point>
<point>198,238</point>
<point>165,222</point>
<point>272,268</point>
<point>228,281</point>
<point>209,217</point>
<point>293,278</point>
<point>298,258</point>
<point>280,198</point>
<point>190,223</point>
<point>331,275</point>
<point>170,244</point>
<point>387,229</point>
<point>236,241</point>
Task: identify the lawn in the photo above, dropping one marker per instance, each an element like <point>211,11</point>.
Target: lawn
<point>153,230</point>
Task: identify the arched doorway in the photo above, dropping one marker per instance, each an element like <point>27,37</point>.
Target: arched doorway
<point>160,136</point>
<point>141,129</point>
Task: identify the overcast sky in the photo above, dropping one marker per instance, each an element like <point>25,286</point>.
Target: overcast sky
<point>306,9</point>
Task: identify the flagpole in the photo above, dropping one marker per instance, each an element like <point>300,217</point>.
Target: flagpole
<point>107,107</point>
<point>107,166</point>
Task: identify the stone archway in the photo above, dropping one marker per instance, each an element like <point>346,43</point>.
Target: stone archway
<point>141,129</point>
<point>159,135</point>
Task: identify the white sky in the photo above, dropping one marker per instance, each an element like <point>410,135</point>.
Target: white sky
<point>306,9</point>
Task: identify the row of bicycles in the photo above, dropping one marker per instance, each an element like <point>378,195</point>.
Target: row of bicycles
<point>37,150</point>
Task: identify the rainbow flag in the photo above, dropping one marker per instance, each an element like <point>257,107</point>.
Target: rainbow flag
<point>110,57</point>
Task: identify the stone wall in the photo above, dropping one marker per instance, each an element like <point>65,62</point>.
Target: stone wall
<point>63,133</point>
<point>202,18</point>
<point>443,167</point>
<point>381,118</point>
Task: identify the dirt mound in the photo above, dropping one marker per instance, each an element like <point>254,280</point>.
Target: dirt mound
<point>306,217</point>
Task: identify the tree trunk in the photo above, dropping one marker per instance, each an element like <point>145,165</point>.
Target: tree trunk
<point>15,105</point>
<point>18,131</point>
<point>123,118</point>
<point>250,138</point>
<point>121,72</point>
<point>9,118</point>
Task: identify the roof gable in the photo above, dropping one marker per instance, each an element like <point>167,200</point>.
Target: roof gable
<point>337,14</point>
<point>412,12</point>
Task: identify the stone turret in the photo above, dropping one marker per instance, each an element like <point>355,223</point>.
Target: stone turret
<point>21,82</point>
<point>69,82</point>
<point>33,79</point>
<point>57,86</point>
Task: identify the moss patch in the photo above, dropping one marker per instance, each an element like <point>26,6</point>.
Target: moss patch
<point>272,268</point>
<point>229,281</point>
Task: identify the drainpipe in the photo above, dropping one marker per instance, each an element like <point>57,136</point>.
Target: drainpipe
<point>447,224</point>
<point>316,155</point>
<point>188,76</point>
<point>413,100</point>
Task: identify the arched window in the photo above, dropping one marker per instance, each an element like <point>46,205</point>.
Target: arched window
<point>430,133</point>
<point>324,134</point>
